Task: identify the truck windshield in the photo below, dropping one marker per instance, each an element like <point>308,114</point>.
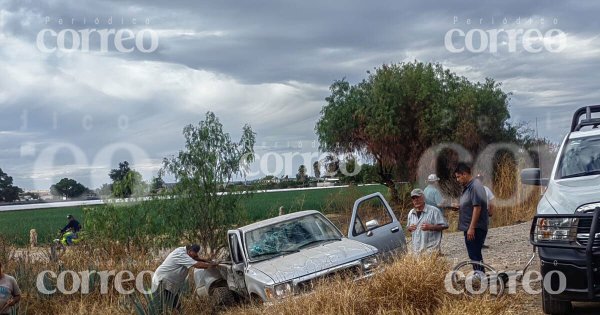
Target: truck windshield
<point>580,157</point>
<point>289,236</point>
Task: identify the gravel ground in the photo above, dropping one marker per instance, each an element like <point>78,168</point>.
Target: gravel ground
<point>509,249</point>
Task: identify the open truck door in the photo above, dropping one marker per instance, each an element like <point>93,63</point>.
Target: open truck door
<point>236,275</point>
<point>373,222</point>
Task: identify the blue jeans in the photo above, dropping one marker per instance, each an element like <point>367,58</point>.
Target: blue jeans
<point>70,238</point>
<point>474,247</point>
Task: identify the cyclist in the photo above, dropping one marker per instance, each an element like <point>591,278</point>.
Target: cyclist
<point>71,229</point>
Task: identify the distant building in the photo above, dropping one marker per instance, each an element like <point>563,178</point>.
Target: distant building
<point>44,194</point>
<point>270,180</point>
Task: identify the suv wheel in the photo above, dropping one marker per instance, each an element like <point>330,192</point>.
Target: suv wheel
<point>553,306</point>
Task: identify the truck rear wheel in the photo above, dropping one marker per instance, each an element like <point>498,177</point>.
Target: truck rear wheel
<point>553,306</point>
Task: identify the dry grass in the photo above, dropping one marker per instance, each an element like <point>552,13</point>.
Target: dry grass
<point>514,202</point>
<point>26,264</point>
<point>407,286</point>
<point>410,285</point>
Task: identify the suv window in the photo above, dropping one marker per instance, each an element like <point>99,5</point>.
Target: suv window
<point>580,157</point>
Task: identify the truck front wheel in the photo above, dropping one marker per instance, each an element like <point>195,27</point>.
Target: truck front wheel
<point>223,296</point>
<point>553,306</point>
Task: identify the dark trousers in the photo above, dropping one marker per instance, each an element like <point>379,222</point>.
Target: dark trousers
<point>474,247</point>
<point>164,299</point>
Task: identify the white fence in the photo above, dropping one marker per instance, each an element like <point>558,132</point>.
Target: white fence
<point>62,204</point>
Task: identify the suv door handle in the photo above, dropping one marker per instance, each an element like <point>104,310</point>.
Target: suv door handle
<point>395,229</point>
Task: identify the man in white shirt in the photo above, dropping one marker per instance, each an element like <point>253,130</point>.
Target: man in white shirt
<point>433,196</point>
<point>490,198</point>
<point>170,276</point>
<point>425,223</point>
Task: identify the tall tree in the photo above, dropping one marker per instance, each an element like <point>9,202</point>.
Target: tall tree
<point>301,175</point>
<point>118,174</point>
<point>8,192</point>
<point>332,165</point>
<point>69,188</point>
<point>157,184</point>
<point>130,185</point>
<point>400,110</point>
<point>347,171</point>
<point>317,169</point>
<point>209,160</point>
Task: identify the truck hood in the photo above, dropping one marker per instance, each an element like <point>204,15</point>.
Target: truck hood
<point>564,196</point>
<point>313,259</point>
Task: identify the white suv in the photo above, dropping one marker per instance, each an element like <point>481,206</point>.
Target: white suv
<point>566,229</point>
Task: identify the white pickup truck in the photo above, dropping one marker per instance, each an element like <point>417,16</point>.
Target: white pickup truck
<point>566,229</point>
<point>283,256</point>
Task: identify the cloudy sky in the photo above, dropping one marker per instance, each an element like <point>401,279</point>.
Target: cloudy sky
<point>78,112</point>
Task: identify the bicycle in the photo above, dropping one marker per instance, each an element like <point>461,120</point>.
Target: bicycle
<point>59,245</point>
<point>489,280</point>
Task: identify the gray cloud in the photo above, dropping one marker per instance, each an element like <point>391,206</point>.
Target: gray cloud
<point>266,63</point>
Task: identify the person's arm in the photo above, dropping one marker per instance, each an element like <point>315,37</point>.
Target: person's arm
<point>435,227</point>
<point>410,226</point>
<point>12,301</point>
<point>478,197</point>
<point>204,265</point>
<point>473,225</point>
<point>16,295</point>
<point>439,222</point>
<point>439,200</point>
<point>185,260</point>
<point>490,197</point>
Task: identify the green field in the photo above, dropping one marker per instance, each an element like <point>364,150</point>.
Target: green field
<point>15,225</point>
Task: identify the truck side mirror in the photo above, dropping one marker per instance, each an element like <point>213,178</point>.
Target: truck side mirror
<point>372,224</point>
<point>238,268</point>
<point>533,176</point>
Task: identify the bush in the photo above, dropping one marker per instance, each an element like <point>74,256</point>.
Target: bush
<point>145,225</point>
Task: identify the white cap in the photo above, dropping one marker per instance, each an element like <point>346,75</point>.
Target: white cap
<point>432,178</point>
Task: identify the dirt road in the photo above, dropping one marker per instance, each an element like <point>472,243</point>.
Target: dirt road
<point>509,249</point>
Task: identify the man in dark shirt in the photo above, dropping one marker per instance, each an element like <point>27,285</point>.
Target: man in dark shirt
<point>72,226</point>
<point>473,213</point>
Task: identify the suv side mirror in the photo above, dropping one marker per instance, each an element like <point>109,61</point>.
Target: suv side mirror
<point>532,176</point>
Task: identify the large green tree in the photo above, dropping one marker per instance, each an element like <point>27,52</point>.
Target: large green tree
<point>8,192</point>
<point>118,174</point>
<point>127,182</point>
<point>130,185</point>
<point>400,110</point>
<point>209,160</point>
<point>68,187</point>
